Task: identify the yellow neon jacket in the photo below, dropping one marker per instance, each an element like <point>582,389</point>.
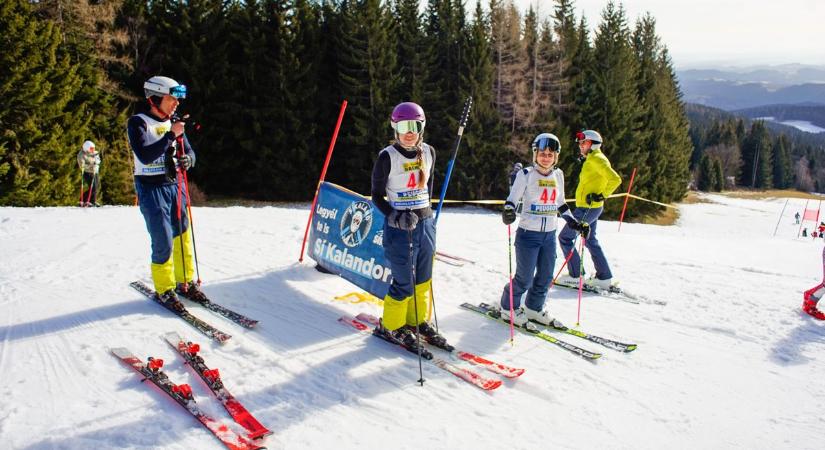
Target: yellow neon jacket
<point>597,177</point>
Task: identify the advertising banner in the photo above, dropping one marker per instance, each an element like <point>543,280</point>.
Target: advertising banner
<point>346,238</point>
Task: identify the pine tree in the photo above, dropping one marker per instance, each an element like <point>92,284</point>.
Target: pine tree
<point>718,175</point>
<point>782,163</point>
<point>704,176</point>
<point>614,109</point>
<point>484,162</point>
<point>412,53</point>
<point>368,74</point>
<point>51,83</point>
<point>757,170</point>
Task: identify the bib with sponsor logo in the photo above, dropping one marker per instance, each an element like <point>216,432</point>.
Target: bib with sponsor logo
<point>155,131</point>
<point>403,191</point>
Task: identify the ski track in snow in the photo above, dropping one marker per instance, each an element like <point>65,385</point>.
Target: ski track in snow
<point>729,362</point>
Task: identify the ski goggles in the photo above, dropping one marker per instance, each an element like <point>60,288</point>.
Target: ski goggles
<point>408,126</point>
<point>547,144</point>
<point>178,91</point>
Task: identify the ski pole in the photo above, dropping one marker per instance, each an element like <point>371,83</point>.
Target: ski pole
<point>581,280</point>
<point>462,122</point>
<point>91,189</point>
<point>415,305</point>
<point>510,260</point>
<point>81,187</point>
<point>180,219</point>
<point>192,226</point>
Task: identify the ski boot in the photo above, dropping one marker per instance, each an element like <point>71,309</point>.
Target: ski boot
<point>431,336</point>
<point>192,292</point>
<point>402,337</point>
<point>170,300</point>
<point>809,305</point>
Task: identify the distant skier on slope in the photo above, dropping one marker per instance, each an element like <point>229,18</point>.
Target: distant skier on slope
<point>403,173</point>
<point>596,182</point>
<point>89,161</point>
<point>153,138</point>
<point>540,189</point>
<point>812,296</point>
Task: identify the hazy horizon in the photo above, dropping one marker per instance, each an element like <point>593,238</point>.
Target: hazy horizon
<point>716,33</point>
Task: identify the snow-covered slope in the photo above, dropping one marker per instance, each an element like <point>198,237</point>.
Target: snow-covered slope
<point>729,362</point>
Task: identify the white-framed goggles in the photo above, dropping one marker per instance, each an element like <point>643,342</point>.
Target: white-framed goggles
<point>408,126</point>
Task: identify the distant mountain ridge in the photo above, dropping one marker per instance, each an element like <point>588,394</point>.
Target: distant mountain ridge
<point>814,114</point>
<point>737,89</point>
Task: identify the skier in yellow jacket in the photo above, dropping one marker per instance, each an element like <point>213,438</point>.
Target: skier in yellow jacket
<point>596,182</point>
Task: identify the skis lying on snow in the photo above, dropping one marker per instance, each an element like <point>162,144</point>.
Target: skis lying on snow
<point>488,384</point>
<point>212,379</point>
<point>501,369</point>
<point>183,395</point>
<point>614,292</point>
<point>558,326</point>
<point>532,330</point>
<point>202,326</point>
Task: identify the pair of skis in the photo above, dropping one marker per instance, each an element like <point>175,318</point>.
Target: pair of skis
<point>452,260</point>
<point>199,324</point>
<point>532,328</point>
<point>363,323</point>
<point>182,394</point>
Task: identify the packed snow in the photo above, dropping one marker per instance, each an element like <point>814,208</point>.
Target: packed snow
<point>729,362</point>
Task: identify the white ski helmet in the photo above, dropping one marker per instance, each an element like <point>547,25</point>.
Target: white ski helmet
<point>544,141</point>
<point>161,86</point>
<point>88,146</point>
<point>592,136</point>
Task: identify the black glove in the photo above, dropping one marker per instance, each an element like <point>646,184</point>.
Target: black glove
<point>186,161</point>
<point>593,197</point>
<point>583,228</point>
<point>508,216</point>
<point>403,220</point>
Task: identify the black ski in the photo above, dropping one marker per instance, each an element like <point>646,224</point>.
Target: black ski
<point>238,318</point>
<point>613,292</point>
<point>532,330</point>
<point>202,326</point>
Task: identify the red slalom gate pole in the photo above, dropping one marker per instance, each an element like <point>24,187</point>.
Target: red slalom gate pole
<point>323,175</point>
<point>627,197</point>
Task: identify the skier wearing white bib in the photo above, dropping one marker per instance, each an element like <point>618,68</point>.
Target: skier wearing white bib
<point>541,191</point>
<point>403,173</point>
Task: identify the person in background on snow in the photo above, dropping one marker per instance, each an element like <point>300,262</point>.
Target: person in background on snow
<point>540,189</point>
<point>797,218</point>
<point>596,182</point>
<point>153,138</point>
<point>811,297</point>
<point>403,173</point>
<point>89,161</point>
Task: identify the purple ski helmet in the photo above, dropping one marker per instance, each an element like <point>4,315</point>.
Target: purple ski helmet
<point>407,111</point>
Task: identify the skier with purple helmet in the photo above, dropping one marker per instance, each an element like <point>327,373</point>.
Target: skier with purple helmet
<point>403,173</point>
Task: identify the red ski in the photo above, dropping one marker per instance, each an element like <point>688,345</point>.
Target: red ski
<point>501,369</point>
<point>182,394</point>
<point>212,379</point>
<point>488,384</point>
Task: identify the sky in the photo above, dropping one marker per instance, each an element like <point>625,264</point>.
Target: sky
<point>713,33</point>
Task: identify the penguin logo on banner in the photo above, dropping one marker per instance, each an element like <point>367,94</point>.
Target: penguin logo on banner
<point>356,223</point>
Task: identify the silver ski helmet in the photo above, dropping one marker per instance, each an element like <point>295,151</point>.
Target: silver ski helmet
<point>543,142</point>
<point>592,136</point>
<point>88,146</point>
<point>160,86</point>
